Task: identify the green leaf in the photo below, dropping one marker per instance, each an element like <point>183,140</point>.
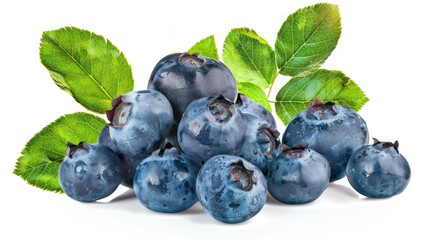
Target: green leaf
<point>43,154</point>
<point>249,57</point>
<point>87,66</point>
<point>255,93</point>
<point>307,38</point>
<point>325,85</point>
<point>206,47</point>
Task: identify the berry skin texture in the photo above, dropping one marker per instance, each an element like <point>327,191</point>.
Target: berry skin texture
<point>261,143</point>
<point>128,162</point>
<point>129,165</point>
<point>89,172</point>
<point>165,181</point>
<point>299,175</point>
<point>183,78</point>
<point>247,105</point>
<point>140,121</point>
<point>231,189</point>
<point>211,126</point>
<point>334,131</point>
<point>378,170</point>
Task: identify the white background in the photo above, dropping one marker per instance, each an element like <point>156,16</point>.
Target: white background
<point>383,47</point>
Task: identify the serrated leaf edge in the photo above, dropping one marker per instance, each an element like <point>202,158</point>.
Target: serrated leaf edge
<point>345,82</point>
<point>45,36</point>
<point>318,64</point>
<point>252,34</point>
<point>26,151</point>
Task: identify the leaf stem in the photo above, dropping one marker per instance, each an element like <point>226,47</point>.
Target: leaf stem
<point>271,86</point>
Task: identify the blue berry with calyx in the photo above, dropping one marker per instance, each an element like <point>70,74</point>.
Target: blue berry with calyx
<point>298,175</point>
<point>165,181</point>
<point>378,170</point>
<point>140,121</point>
<point>247,105</point>
<point>184,77</point>
<point>261,142</point>
<point>89,172</point>
<point>211,126</point>
<point>231,189</point>
<point>332,130</point>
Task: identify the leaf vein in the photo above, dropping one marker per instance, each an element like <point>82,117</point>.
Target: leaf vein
<point>71,56</point>
<point>305,42</point>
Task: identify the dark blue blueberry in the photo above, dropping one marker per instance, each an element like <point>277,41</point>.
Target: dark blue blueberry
<point>231,189</point>
<point>129,165</point>
<point>299,175</point>
<point>183,78</point>
<point>247,105</point>
<point>211,126</point>
<point>89,172</point>
<point>334,131</point>
<point>165,181</point>
<point>378,170</point>
<point>140,121</point>
<point>261,142</point>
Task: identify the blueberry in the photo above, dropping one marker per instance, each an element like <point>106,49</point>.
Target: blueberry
<point>129,165</point>
<point>247,105</point>
<point>128,162</point>
<point>165,181</point>
<point>211,126</point>
<point>183,78</point>
<point>334,131</point>
<point>261,142</point>
<point>378,170</point>
<point>299,175</point>
<point>231,189</point>
<point>89,172</point>
<point>140,121</point>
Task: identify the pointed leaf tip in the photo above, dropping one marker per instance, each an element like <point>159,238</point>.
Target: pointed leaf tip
<point>206,48</point>
<point>325,85</point>
<point>307,38</point>
<point>86,65</point>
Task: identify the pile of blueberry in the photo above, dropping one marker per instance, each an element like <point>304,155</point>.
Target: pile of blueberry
<point>191,137</point>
